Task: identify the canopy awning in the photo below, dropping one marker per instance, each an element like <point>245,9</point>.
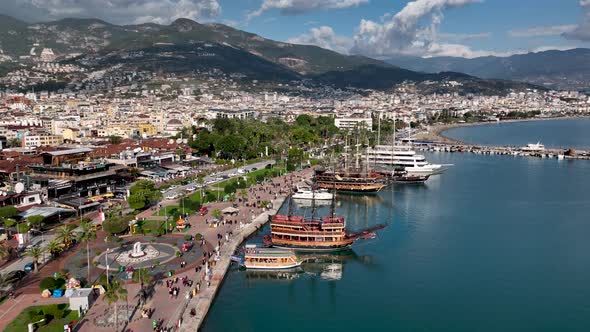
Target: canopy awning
<point>230,210</point>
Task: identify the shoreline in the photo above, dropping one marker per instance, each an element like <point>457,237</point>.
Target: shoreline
<point>436,132</point>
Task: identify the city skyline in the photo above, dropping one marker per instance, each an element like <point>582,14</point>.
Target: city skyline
<point>375,28</point>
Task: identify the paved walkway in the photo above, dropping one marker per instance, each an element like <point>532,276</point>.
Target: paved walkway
<point>168,309</point>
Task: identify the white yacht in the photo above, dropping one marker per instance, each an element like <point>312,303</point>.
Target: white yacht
<point>318,195</point>
<point>533,147</point>
<point>403,158</point>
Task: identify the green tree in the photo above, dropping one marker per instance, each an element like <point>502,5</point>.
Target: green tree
<point>7,214</point>
<point>86,234</point>
<point>4,251</point>
<point>304,120</point>
<point>115,139</point>
<point>14,143</point>
<point>35,253</point>
<point>113,294</point>
<point>216,213</point>
<point>36,221</point>
<point>115,225</point>
<point>65,235</point>
<point>294,158</point>
<point>143,193</point>
<point>54,247</point>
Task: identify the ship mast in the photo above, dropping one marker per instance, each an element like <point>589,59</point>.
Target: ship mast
<point>379,129</point>
<point>393,145</point>
<point>290,212</point>
<point>312,203</point>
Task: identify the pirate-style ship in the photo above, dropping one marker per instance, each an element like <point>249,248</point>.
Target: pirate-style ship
<point>315,233</point>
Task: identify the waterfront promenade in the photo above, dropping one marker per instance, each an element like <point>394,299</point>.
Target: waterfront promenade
<point>175,311</point>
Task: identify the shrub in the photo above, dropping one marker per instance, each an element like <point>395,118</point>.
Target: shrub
<point>115,225</point>
<point>198,236</point>
<point>60,283</point>
<point>95,263</point>
<point>102,280</point>
<point>47,283</point>
<point>188,237</point>
<point>97,252</point>
<point>178,254</point>
<point>53,311</point>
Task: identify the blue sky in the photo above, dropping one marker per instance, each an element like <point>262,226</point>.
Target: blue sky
<point>490,26</point>
<point>378,28</point>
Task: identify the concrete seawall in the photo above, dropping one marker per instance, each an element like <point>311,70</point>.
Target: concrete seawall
<point>204,299</point>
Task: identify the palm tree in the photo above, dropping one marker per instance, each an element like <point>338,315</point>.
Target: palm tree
<point>86,234</point>
<point>54,247</point>
<point>65,234</point>
<point>216,213</point>
<point>243,194</point>
<point>35,253</point>
<point>113,294</point>
<point>4,251</point>
<point>201,183</point>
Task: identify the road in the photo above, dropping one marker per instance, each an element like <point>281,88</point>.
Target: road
<point>217,177</point>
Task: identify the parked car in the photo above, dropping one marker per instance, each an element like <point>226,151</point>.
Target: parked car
<point>29,267</point>
<point>203,211</point>
<point>14,276</point>
<point>171,196</point>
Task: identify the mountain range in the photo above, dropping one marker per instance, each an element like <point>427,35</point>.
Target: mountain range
<point>186,45</point>
<point>568,69</point>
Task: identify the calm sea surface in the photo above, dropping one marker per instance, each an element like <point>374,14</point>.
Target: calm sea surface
<point>497,243</point>
<point>563,133</point>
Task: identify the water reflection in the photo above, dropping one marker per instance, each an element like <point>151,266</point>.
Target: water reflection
<point>321,266</point>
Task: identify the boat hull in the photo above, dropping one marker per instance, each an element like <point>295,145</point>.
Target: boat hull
<point>273,267</point>
<point>313,248</point>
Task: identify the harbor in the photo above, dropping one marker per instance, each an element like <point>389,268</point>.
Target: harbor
<point>464,235</point>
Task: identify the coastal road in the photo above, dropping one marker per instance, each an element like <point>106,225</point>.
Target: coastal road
<point>218,177</point>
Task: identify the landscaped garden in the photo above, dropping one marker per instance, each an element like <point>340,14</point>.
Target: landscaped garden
<point>55,315</point>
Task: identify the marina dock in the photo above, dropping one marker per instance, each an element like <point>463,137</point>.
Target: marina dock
<point>204,299</point>
<point>503,150</point>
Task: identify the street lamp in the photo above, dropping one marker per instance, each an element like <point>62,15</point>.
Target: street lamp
<point>106,259</point>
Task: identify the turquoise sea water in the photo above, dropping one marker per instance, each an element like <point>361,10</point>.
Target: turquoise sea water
<point>563,133</point>
<point>497,243</point>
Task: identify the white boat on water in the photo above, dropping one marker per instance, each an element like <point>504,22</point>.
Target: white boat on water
<point>403,158</point>
<point>537,147</point>
<point>318,195</point>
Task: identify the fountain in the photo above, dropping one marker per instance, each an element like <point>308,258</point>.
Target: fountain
<point>137,251</point>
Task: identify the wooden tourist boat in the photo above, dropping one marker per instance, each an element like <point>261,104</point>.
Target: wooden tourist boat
<point>323,234</point>
<point>269,258</point>
<point>360,182</point>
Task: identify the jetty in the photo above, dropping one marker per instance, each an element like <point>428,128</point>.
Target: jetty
<point>502,150</point>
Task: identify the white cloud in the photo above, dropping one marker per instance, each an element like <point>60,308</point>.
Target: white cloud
<point>405,32</point>
<point>294,7</point>
<point>324,37</point>
<point>114,11</point>
<point>581,31</point>
<point>554,30</point>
